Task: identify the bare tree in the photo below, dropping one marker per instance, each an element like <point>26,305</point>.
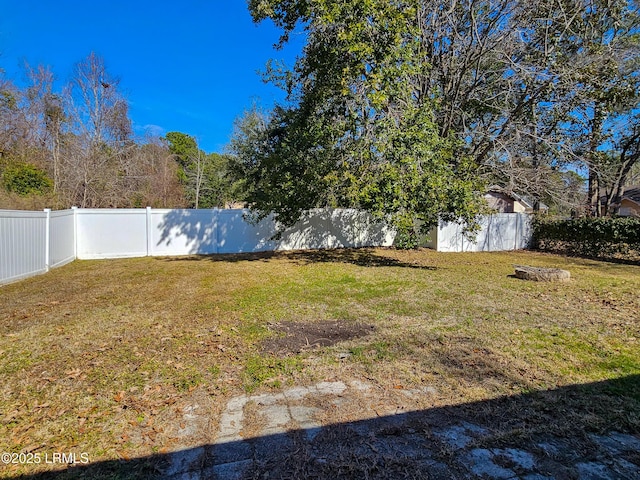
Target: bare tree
<point>101,132</point>
<point>9,129</point>
<point>81,140</point>
<point>151,177</point>
<point>535,87</point>
<point>45,117</point>
<point>195,173</point>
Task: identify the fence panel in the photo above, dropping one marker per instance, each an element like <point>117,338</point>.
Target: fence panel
<point>22,244</point>
<point>237,235</point>
<point>448,237</point>
<point>61,238</point>
<point>498,232</point>
<point>524,231</point>
<point>183,232</point>
<point>111,233</point>
<point>336,228</point>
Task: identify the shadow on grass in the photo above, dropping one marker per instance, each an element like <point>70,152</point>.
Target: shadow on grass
<point>362,257</point>
<point>632,259</point>
<point>579,431</point>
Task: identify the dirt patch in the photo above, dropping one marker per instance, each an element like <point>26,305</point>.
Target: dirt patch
<point>296,337</point>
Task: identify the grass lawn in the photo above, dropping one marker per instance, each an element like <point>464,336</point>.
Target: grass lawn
<point>102,356</point>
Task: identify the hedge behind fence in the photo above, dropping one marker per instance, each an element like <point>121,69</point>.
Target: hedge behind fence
<point>589,236</point>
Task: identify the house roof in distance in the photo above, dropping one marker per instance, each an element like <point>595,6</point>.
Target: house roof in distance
<point>632,193</point>
<point>525,200</point>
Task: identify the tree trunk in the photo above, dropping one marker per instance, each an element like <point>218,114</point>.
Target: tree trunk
<point>594,179</point>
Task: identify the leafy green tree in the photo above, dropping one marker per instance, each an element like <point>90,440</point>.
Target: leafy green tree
<point>359,129</point>
<point>221,187</point>
<point>25,179</point>
<point>191,161</point>
<point>207,178</point>
<point>183,146</point>
<point>526,89</point>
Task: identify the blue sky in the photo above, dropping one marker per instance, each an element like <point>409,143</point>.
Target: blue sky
<point>188,66</point>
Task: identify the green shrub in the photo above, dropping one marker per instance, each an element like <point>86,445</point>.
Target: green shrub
<point>588,236</point>
<point>25,179</point>
<point>406,239</point>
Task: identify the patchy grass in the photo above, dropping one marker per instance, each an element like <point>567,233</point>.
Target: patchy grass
<point>268,370</point>
<point>102,356</point>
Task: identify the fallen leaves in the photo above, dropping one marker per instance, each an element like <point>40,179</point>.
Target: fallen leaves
<point>75,373</point>
<point>108,371</point>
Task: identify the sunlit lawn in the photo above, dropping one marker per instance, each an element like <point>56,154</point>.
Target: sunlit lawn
<point>100,356</point>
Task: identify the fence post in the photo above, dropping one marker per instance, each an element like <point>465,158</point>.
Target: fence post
<point>149,239</point>
<point>216,226</point>
<point>47,239</point>
<point>75,232</point>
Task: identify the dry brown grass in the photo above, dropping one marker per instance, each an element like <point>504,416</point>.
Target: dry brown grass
<point>102,356</point>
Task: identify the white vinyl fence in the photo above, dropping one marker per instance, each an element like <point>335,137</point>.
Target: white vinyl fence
<point>62,238</point>
<point>111,233</point>
<point>498,232</point>
<point>34,242</point>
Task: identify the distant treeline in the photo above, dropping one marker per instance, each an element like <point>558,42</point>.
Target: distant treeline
<point>75,146</point>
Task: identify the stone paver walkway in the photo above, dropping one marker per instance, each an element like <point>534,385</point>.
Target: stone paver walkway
<point>282,436</point>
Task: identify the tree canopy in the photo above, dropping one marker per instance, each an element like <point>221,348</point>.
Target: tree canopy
<point>358,131</point>
<point>208,178</point>
<point>406,107</point>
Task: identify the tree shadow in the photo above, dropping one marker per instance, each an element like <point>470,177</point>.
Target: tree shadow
<point>498,232</point>
<point>362,257</point>
<point>578,431</point>
<point>611,260</point>
<point>184,232</point>
<point>632,257</point>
